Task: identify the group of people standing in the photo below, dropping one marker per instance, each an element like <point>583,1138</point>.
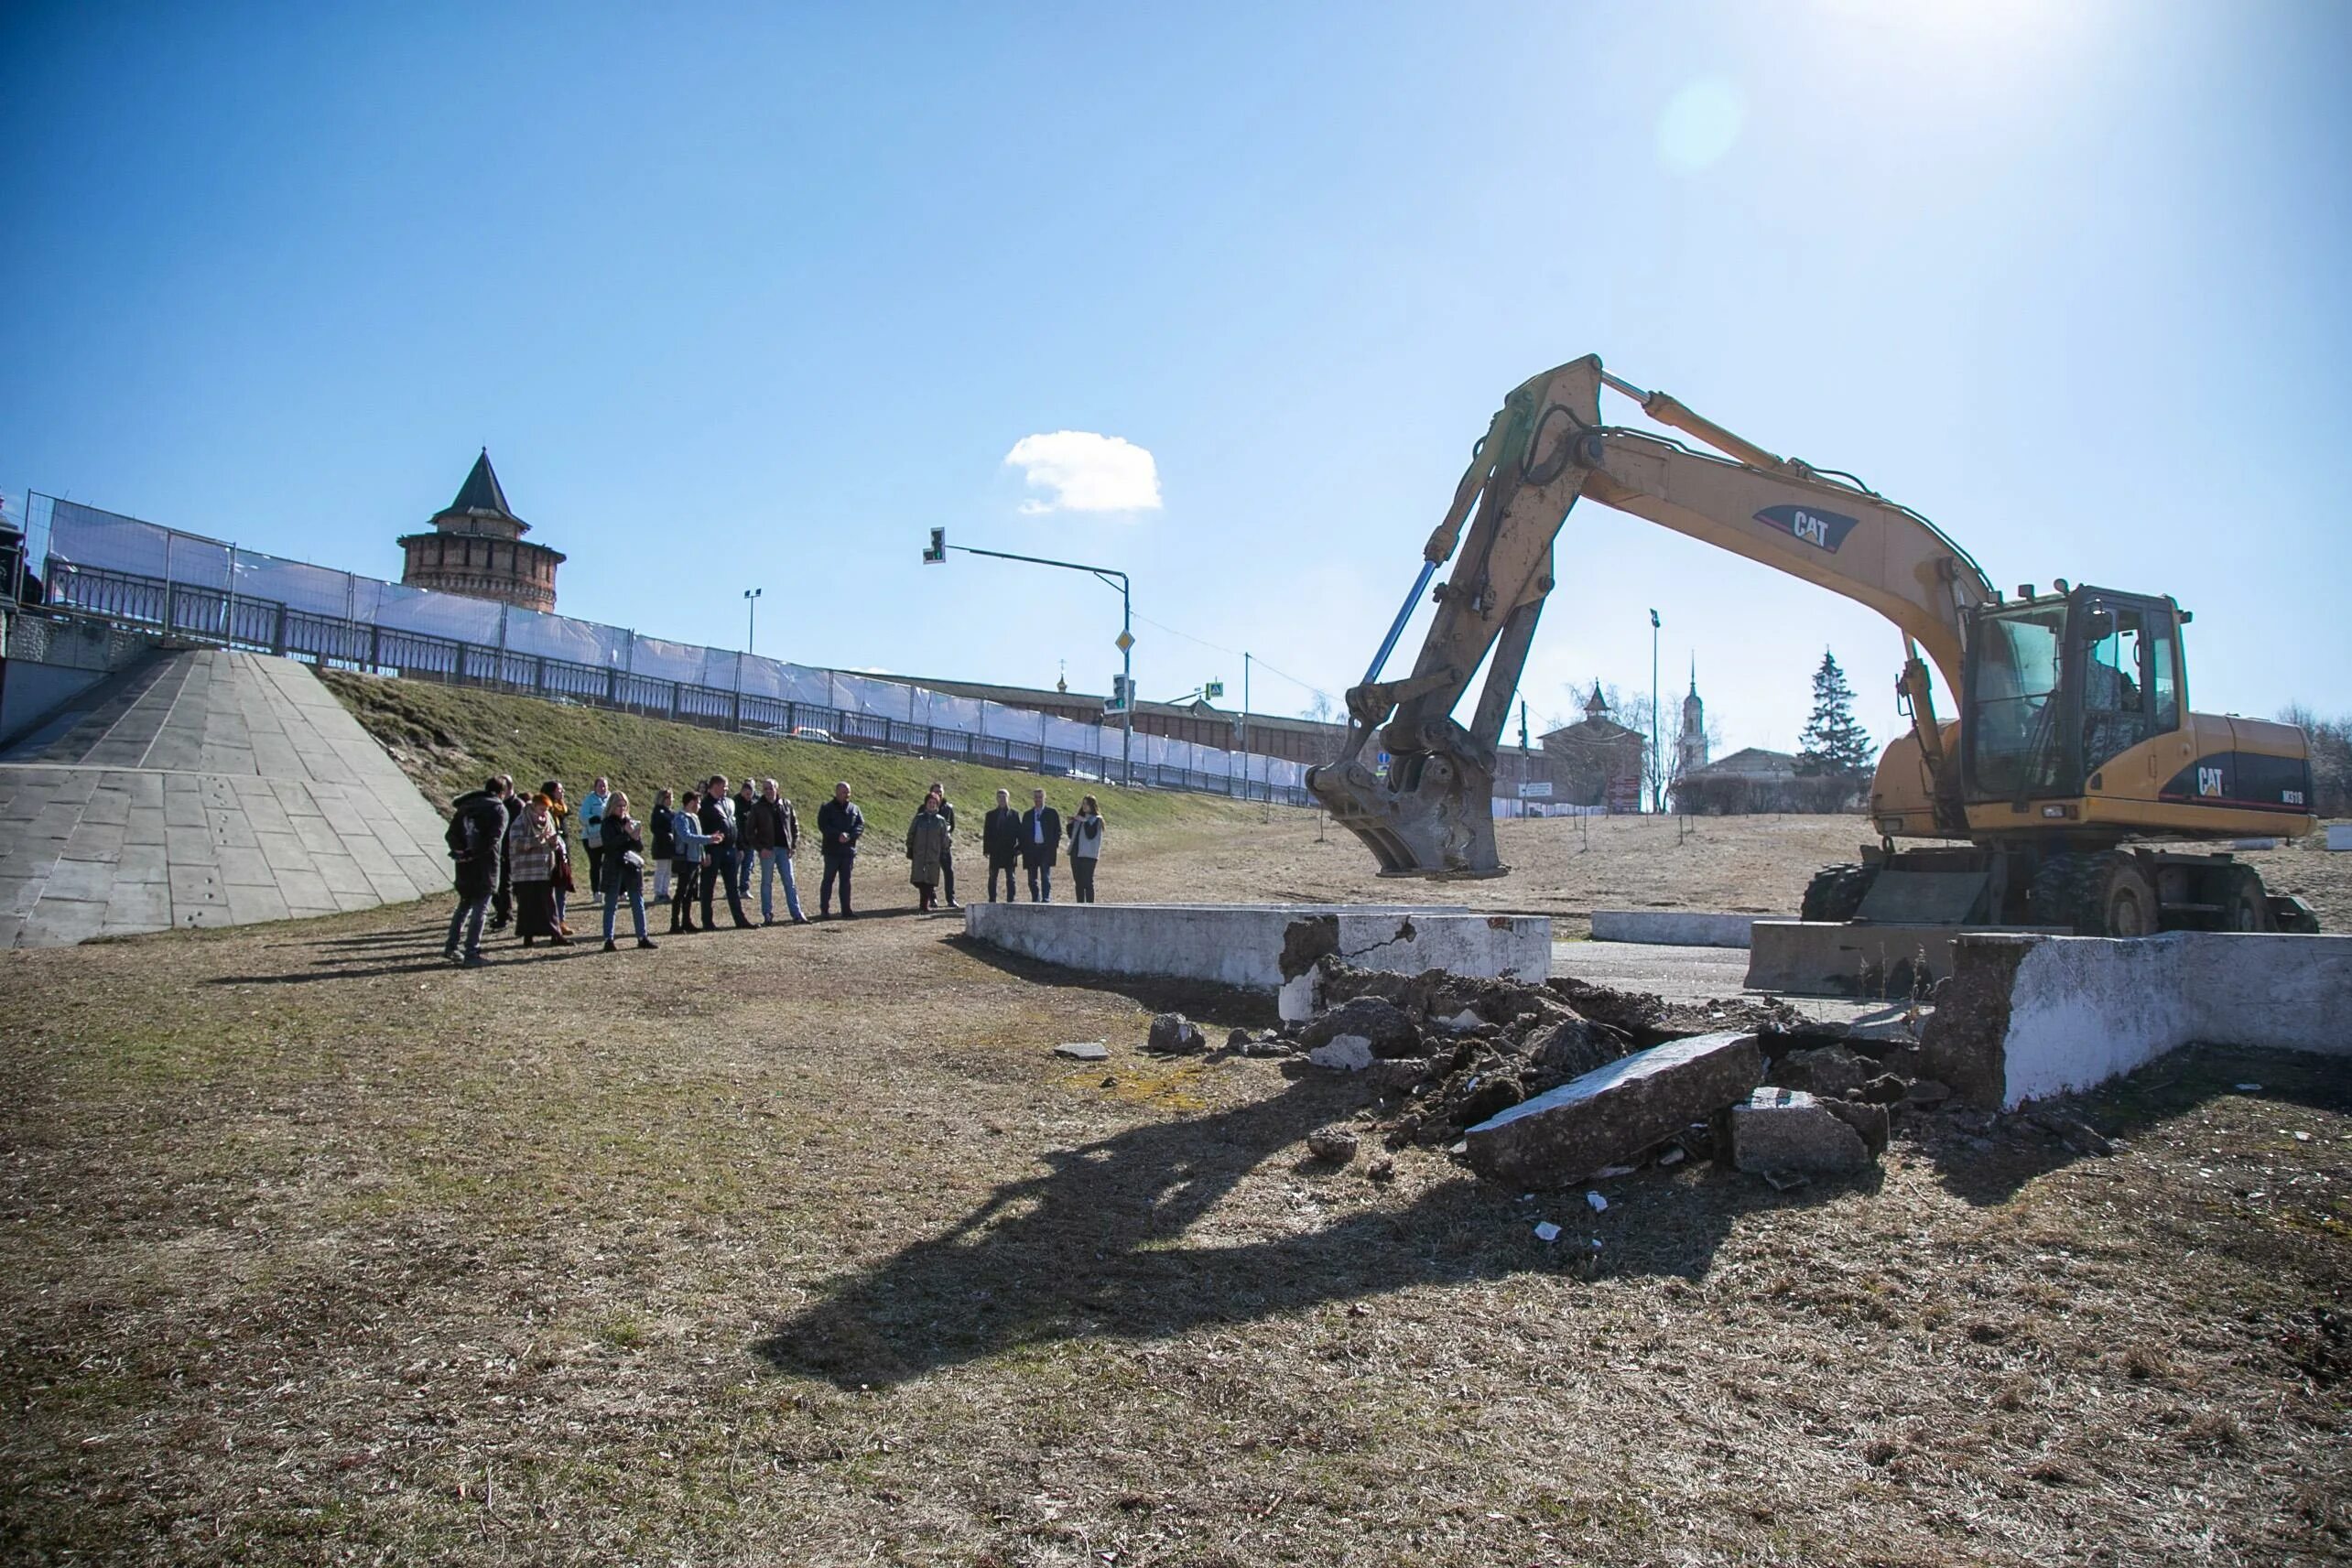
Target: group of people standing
<point>513,856</point>
<point>1032,840</point>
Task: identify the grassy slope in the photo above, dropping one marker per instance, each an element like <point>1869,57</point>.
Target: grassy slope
<point>448,739</point>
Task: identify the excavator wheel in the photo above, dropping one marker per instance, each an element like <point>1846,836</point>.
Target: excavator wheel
<point>1836,891</point>
<point>2248,907</point>
<point>2127,898</point>
<point>2106,894</point>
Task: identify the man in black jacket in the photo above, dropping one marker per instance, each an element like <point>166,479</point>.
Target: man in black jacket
<point>502,903</point>
<point>999,840</point>
<point>840,826</point>
<point>719,868</point>
<point>477,839</point>
<point>1041,845</point>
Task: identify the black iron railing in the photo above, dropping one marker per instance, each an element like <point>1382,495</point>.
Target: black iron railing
<point>262,625</point>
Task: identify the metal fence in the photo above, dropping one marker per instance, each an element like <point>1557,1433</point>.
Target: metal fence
<point>139,574</point>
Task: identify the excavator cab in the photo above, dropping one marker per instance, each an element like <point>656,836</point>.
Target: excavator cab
<point>2060,685</point>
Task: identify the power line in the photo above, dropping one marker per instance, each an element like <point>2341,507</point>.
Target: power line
<point>1259,659</point>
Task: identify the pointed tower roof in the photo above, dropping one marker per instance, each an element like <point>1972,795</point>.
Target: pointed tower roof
<point>1694,674</point>
<point>481,505</point>
<point>1595,705</point>
<point>480,493</point>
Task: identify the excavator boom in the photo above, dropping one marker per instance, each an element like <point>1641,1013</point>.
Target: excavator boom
<point>1546,446</point>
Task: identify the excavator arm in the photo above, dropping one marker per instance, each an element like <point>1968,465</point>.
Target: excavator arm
<point>1545,448</point>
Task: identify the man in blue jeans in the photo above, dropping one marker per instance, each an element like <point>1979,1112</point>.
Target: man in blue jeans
<point>773,834</point>
<point>719,864</point>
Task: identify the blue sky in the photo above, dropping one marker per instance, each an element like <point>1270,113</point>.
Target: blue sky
<point>758,296</point>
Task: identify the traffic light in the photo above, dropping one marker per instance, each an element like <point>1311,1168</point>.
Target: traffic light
<point>1121,697</point>
<point>937,554</point>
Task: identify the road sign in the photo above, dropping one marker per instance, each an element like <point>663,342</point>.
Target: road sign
<point>1213,690</point>
<point>1124,641</point>
<point>1535,790</point>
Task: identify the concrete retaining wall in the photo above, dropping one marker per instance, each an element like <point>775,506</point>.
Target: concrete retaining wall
<point>1671,928</point>
<point>1262,946</point>
<point>2028,1016</point>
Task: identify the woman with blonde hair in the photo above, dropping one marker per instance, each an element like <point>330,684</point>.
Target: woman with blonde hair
<point>534,852</point>
<point>622,845</point>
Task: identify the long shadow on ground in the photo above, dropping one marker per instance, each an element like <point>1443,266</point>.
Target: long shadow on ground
<point>1095,1246</point>
<point>1225,1006</point>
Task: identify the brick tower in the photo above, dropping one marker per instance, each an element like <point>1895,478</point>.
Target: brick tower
<point>477,548</point>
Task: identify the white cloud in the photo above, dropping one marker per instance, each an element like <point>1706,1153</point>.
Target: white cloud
<point>1081,472</point>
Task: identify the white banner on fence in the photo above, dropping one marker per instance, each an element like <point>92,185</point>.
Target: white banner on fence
<point>576,651</point>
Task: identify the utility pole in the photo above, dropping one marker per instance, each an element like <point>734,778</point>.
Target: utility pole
<point>1245,724</point>
<point>1657,762</point>
<point>937,554</point>
<point>752,624</point>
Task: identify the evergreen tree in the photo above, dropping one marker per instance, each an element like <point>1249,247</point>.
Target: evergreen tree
<point>1833,745</point>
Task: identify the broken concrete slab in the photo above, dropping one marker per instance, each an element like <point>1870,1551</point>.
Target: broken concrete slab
<point>1383,1023</point>
<point>1827,1071</point>
<point>1347,1053</point>
<point>1788,1133</point>
<point>1084,1051</point>
<point>1615,1113</point>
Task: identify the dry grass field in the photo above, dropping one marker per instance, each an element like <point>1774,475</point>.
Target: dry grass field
<point>800,1246</point>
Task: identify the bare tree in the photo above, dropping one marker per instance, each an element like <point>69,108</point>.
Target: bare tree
<point>2331,758</point>
<point>1319,708</point>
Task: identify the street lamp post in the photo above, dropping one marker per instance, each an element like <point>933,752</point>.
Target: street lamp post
<point>752,624</point>
<point>938,555</point>
<point>1657,762</point>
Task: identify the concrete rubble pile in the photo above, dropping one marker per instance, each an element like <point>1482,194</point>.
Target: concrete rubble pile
<point>1546,1085</point>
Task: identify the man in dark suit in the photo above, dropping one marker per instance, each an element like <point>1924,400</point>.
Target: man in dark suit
<point>718,862</point>
<point>999,840</point>
<point>1041,845</point>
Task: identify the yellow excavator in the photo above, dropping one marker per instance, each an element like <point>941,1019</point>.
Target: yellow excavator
<point>2071,746</point>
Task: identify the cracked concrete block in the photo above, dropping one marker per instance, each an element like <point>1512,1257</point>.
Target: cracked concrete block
<point>1616,1112</point>
<point>1344,1053</point>
<point>1788,1133</point>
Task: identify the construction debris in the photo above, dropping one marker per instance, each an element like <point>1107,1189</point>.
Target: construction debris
<point>1348,1054</point>
<point>1615,1113</point>
<point>1830,1072</point>
<point>1565,1082</point>
<point>1336,1144</point>
<point>1788,1133</point>
<point>1174,1034</point>
<point>1083,1051</point>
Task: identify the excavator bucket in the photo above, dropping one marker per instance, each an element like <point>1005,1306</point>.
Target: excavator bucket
<point>1432,816</point>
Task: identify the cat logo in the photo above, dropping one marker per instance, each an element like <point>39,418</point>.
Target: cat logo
<point>1809,525</point>
<point>2209,782</point>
